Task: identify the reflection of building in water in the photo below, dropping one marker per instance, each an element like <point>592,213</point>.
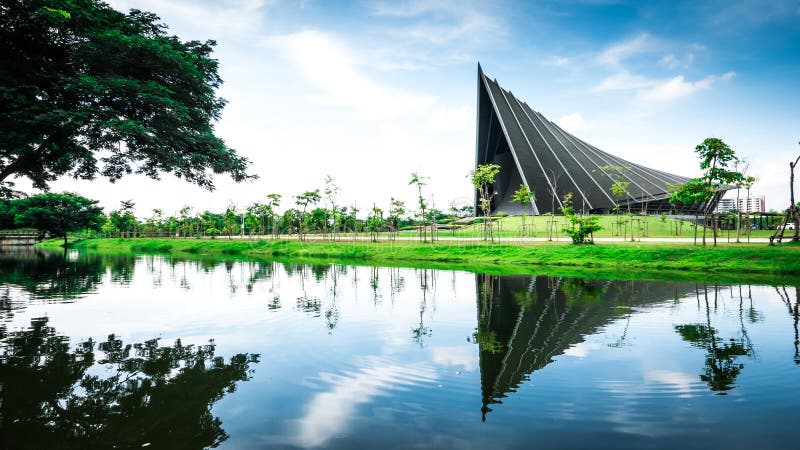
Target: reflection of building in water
<point>525,321</point>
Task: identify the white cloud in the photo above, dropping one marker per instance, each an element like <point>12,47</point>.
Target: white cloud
<point>215,20</point>
<point>331,68</point>
<point>404,9</point>
<point>673,62</point>
<point>622,81</point>
<point>648,87</point>
<point>557,61</point>
<point>677,87</point>
<point>745,14</point>
<point>443,22</point>
<point>670,61</point>
<point>613,56</point>
<point>574,122</point>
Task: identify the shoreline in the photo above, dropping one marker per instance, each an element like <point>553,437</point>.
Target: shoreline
<point>659,260</point>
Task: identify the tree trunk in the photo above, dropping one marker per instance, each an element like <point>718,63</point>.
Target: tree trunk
<point>738,216</point>
<point>705,222</point>
<point>65,240</point>
<point>714,229</point>
<point>793,207</point>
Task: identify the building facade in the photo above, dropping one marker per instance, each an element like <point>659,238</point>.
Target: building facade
<point>756,203</point>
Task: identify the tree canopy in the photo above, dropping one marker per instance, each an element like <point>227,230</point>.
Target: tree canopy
<point>56,214</point>
<point>716,159</point>
<point>86,90</point>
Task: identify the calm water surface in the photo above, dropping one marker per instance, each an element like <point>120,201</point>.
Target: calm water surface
<point>101,351</point>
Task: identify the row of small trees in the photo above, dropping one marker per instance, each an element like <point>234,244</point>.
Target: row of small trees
<point>579,227</point>
<point>315,211</point>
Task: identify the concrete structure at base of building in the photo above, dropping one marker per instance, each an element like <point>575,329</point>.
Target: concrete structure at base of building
<point>536,152</point>
<point>756,203</point>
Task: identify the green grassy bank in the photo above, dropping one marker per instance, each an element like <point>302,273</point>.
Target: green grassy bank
<point>632,259</point>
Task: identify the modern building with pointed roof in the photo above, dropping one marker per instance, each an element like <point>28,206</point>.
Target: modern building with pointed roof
<point>536,152</point>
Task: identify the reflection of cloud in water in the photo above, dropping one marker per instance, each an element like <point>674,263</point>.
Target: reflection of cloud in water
<point>328,412</point>
<point>581,349</point>
<point>456,355</point>
<point>629,416</point>
<point>680,382</point>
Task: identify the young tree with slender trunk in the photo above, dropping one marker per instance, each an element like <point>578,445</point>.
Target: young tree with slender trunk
<point>124,219</point>
<point>271,210</point>
<point>483,180</point>
<point>716,158</point>
<point>747,183</point>
<point>692,192</point>
<point>375,222</point>
<point>419,181</point>
<point>185,220</point>
<point>331,193</point>
<point>524,197</point>
<point>396,210</point>
<point>620,189</point>
<point>304,200</point>
<point>553,178</point>
<point>793,208</point>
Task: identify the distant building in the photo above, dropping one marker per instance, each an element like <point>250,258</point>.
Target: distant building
<point>725,205</point>
<point>755,203</point>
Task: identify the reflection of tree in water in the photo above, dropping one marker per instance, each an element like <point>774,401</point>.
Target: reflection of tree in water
<point>308,304</point>
<point>396,282</point>
<point>110,394</point>
<point>427,282</point>
<point>332,311</point>
<point>524,322</point>
<point>794,312</point>
<point>722,361</point>
<point>484,335</point>
<point>56,276</point>
<point>375,284</point>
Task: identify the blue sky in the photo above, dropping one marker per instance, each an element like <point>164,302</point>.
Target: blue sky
<point>370,91</point>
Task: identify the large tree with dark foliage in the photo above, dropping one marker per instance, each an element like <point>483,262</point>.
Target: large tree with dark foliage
<point>56,214</point>
<point>88,90</point>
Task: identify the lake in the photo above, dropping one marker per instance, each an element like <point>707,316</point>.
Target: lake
<point>143,351</point>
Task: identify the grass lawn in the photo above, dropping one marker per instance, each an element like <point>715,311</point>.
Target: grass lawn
<point>623,259</point>
<point>641,226</point>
